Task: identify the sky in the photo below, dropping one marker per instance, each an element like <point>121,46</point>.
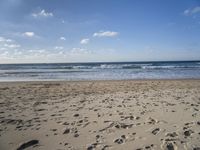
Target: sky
<point>41,31</point>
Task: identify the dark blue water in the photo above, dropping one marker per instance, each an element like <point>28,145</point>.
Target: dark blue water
<point>100,71</point>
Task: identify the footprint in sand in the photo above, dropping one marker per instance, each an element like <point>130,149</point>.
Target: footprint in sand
<point>173,134</point>
<point>119,141</point>
<point>188,133</point>
<point>155,131</point>
<point>27,144</point>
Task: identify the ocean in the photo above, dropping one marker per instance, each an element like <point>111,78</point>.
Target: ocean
<point>100,71</point>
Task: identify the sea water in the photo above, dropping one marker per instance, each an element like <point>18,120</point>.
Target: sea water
<point>100,71</point>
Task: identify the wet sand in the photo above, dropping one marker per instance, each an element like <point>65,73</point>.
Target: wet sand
<point>118,115</point>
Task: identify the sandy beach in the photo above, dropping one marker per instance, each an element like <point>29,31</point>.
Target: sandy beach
<point>102,115</point>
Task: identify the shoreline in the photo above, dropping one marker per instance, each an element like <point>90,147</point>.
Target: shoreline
<point>120,80</point>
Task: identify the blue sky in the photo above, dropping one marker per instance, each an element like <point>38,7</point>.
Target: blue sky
<point>37,31</point>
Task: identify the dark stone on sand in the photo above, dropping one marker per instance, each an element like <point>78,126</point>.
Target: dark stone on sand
<point>170,146</point>
<point>27,144</point>
<point>196,148</point>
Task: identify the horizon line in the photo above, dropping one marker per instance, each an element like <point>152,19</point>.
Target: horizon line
<point>94,62</point>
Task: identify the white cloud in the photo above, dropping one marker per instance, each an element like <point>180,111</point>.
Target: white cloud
<point>61,52</point>
<point>4,54</point>
<point>2,39</point>
<point>85,41</point>
<point>28,34</point>
<point>12,45</point>
<point>42,13</point>
<point>192,11</point>
<point>6,44</point>
<point>9,49</point>
<point>58,47</point>
<point>79,51</point>
<point>40,51</point>
<point>2,48</point>
<point>62,38</point>
<point>17,52</point>
<point>105,34</point>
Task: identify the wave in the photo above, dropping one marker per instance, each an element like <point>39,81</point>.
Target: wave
<point>170,67</point>
<point>101,66</point>
<point>147,66</point>
<point>121,66</point>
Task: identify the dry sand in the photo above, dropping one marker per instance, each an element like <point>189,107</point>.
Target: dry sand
<point>118,115</point>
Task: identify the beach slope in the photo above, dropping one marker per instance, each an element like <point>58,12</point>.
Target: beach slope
<point>129,115</point>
